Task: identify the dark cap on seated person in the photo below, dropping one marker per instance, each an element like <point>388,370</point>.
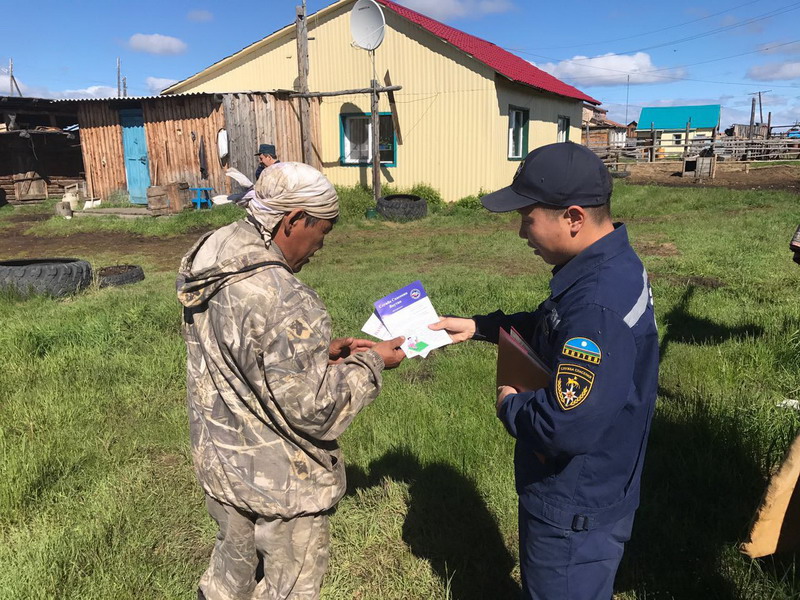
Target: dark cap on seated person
<point>266,149</point>
<point>558,175</point>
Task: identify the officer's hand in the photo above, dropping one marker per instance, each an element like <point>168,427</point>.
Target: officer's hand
<point>457,328</point>
<point>502,392</point>
<point>341,348</point>
<point>390,352</point>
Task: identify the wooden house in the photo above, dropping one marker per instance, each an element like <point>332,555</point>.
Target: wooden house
<point>467,113</point>
<point>674,127</point>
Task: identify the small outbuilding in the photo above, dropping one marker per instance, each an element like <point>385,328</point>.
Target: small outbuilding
<point>131,144</point>
<point>672,128</point>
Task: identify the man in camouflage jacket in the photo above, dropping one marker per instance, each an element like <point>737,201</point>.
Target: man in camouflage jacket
<point>268,391</point>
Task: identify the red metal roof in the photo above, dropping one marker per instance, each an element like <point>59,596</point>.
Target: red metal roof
<point>502,61</point>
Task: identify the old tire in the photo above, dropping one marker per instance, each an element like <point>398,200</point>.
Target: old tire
<point>119,275</point>
<point>55,277</point>
<point>620,174</point>
<point>402,207</point>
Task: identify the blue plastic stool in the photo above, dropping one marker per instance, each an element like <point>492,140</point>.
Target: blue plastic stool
<point>201,197</point>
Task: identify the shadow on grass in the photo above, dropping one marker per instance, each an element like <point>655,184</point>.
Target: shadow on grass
<point>684,327</point>
<point>448,524</point>
<point>700,488</point>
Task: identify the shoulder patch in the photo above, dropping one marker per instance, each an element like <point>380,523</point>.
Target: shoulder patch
<point>582,349</point>
<point>573,384</point>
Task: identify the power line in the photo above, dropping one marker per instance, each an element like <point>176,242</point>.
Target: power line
<point>767,15</point>
<point>629,37</point>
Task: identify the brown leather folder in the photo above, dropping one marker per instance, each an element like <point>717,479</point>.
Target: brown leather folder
<point>518,365</point>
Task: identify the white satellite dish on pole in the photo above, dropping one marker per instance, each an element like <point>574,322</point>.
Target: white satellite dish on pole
<point>367,24</point>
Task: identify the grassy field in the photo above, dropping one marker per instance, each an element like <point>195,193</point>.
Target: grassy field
<point>97,495</point>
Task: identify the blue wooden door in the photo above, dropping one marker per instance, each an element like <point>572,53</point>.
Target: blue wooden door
<point>135,149</point>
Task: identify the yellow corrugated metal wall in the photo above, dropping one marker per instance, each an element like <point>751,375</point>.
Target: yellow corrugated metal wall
<point>453,116</point>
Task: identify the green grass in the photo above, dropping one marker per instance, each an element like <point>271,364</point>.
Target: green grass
<point>98,498</point>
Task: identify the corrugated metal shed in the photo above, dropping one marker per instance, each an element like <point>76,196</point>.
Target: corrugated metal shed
<point>705,116</point>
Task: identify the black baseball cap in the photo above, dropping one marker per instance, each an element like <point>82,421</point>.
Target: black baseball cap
<point>266,149</point>
<point>563,174</point>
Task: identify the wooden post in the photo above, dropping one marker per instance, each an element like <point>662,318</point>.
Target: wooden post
<point>769,124</point>
<point>652,142</point>
<point>686,139</point>
<point>376,155</point>
<point>752,119</point>
<point>301,28</point>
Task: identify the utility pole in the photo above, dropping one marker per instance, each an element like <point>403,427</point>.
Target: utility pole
<point>752,118</point>
<point>301,28</point>
<point>627,95</point>
<point>12,83</point>
<point>760,109</point>
<point>119,82</point>
<point>124,87</point>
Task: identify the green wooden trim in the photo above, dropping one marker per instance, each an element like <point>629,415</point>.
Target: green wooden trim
<point>343,162</point>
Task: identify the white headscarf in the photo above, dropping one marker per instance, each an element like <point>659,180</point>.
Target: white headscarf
<point>286,186</point>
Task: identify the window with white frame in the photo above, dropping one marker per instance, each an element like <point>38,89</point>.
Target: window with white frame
<point>563,129</point>
<point>356,139</point>
<point>517,132</point>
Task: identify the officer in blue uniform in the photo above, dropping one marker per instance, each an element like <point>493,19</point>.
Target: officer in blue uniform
<point>580,442</point>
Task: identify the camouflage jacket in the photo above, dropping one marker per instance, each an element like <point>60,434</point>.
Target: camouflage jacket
<point>265,408</point>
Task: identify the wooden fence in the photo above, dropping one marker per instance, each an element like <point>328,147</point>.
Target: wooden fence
<point>733,149</point>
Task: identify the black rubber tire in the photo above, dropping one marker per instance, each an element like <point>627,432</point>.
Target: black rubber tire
<point>55,277</point>
<point>620,174</point>
<point>116,275</point>
<point>402,207</point>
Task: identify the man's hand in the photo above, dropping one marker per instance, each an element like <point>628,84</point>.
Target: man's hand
<point>341,348</point>
<point>390,352</point>
<point>502,392</point>
<point>457,328</point>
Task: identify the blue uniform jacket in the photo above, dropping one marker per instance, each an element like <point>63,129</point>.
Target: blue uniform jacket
<point>581,441</point>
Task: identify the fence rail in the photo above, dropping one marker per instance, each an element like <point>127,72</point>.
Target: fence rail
<point>649,150</point>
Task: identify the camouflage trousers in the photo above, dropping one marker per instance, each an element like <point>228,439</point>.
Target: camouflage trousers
<point>293,554</point>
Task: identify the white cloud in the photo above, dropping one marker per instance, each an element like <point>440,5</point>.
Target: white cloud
<point>155,43</point>
<point>611,69</point>
<point>448,9</point>
<point>775,71</point>
<point>156,84</point>
<point>738,25</point>
<point>200,16</point>
<point>780,48</point>
<point>94,91</point>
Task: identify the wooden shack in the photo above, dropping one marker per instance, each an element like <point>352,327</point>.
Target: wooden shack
<point>39,150</point>
<point>131,144</point>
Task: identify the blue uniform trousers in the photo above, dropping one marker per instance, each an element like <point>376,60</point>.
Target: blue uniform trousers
<point>563,564</point>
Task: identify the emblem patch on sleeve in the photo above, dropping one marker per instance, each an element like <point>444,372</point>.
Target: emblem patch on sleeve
<point>573,384</point>
<point>582,349</point>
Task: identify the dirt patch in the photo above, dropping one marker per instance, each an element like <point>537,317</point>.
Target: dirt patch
<point>729,175</point>
<point>688,280</point>
<point>165,253</point>
<point>656,249</point>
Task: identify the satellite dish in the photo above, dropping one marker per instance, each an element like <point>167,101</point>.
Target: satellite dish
<point>367,24</point>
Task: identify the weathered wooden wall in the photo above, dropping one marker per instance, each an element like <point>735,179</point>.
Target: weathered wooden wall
<point>175,128</point>
<point>256,118</point>
<point>101,145</point>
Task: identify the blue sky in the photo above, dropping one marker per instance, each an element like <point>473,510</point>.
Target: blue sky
<point>680,52</point>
